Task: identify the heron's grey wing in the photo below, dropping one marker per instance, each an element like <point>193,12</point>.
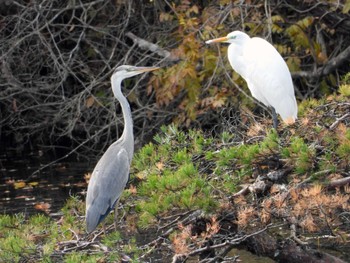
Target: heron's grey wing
<point>107,183</point>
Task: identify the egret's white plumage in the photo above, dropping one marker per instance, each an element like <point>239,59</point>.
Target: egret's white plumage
<point>111,173</point>
<point>265,72</point>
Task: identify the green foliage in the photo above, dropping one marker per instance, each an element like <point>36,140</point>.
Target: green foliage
<point>297,32</point>
<point>344,88</point>
<point>346,7</point>
<point>277,20</point>
<point>19,236</point>
<point>80,257</point>
<point>15,247</point>
<point>302,154</point>
<point>307,104</point>
<point>293,63</point>
<point>73,205</point>
<point>327,163</point>
<point>39,219</point>
<point>181,188</point>
<point>245,155</point>
<point>111,239</point>
<point>344,145</point>
<point>271,142</point>
<point>146,157</point>
<point>226,137</point>
<point>5,221</point>
<point>175,182</point>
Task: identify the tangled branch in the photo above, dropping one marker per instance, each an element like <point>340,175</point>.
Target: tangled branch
<point>55,73</point>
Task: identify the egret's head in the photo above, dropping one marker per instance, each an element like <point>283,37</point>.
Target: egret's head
<point>126,71</point>
<point>233,37</point>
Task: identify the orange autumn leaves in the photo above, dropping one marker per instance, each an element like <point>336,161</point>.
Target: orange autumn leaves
<point>312,208</point>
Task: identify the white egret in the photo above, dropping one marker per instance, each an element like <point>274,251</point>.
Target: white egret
<point>265,72</point>
<point>111,173</point>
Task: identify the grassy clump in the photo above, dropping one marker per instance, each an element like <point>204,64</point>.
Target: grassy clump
<point>301,154</point>
<point>20,238</point>
<point>174,181</point>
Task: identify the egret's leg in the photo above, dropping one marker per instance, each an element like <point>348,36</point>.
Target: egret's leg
<point>274,118</point>
<point>116,215</point>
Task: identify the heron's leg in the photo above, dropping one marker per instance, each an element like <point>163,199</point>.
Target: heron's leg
<point>104,228</point>
<point>116,215</point>
<point>274,118</point>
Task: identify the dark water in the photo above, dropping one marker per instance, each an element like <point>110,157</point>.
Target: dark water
<point>45,191</point>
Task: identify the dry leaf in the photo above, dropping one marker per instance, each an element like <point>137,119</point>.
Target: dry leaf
<point>160,166</point>
<point>19,184</point>
<point>141,175</point>
<point>45,207</point>
<point>89,101</point>
<point>33,184</point>
<point>87,177</point>
<point>133,189</point>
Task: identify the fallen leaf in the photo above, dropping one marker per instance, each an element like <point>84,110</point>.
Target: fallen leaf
<point>141,175</point>
<point>89,101</point>
<point>160,166</point>
<point>133,190</point>
<point>33,184</point>
<point>305,121</point>
<point>19,184</point>
<point>87,177</point>
<point>45,207</point>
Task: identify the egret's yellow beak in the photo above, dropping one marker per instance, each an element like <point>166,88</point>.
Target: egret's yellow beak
<point>217,40</point>
<point>146,69</point>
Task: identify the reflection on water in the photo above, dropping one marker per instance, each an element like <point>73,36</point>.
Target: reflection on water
<point>46,191</point>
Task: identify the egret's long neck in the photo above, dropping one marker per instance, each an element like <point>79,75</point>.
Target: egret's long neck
<point>235,57</point>
<point>128,134</point>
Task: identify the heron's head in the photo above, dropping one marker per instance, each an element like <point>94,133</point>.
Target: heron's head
<point>233,37</point>
<point>126,71</point>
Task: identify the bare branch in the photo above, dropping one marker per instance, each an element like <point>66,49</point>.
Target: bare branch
<point>330,66</point>
<point>146,45</point>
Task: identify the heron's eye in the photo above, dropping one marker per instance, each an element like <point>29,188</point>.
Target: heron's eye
<point>232,37</point>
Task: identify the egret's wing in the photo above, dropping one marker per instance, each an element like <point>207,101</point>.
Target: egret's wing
<point>107,183</point>
<point>269,77</point>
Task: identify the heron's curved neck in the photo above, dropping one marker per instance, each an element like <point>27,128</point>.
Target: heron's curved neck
<point>128,134</point>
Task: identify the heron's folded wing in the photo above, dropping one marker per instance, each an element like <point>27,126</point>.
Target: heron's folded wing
<point>107,183</point>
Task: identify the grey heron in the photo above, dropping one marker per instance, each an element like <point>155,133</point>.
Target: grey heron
<point>265,72</point>
<point>111,172</point>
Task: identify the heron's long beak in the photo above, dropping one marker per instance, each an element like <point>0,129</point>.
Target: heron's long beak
<point>146,69</point>
<point>217,40</point>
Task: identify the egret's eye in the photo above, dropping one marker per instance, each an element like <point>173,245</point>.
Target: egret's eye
<point>232,37</point>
